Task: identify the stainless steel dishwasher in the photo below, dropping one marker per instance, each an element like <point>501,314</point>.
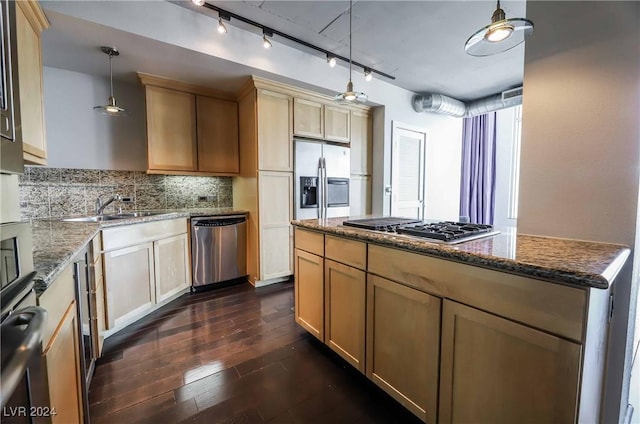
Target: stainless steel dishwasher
<point>218,248</point>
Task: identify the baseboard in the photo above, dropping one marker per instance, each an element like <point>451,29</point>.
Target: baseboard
<point>262,283</point>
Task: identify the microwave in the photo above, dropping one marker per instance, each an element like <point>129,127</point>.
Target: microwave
<point>11,161</point>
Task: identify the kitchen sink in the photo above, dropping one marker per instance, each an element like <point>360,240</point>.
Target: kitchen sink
<point>96,218</point>
<point>113,217</point>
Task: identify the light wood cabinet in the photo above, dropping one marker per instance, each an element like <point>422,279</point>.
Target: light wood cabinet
<point>498,371</point>
<point>274,121</point>
<point>172,266</point>
<point>130,280</point>
<point>359,195</point>
<point>317,120</point>
<point>276,233</point>
<point>308,118</point>
<point>62,358</point>
<point>61,349</point>
<point>361,143</point>
<point>171,130</point>
<point>30,22</point>
<point>191,130</point>
<point>217,127</point>
<point>337,124</point>
<point>309,292</point>
<point>403,344</point>
<point>344,294</point>
<point>145,265</point>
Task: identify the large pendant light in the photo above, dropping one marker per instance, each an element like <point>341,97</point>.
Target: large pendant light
<point>110,108</point>
<point>350,95</point>
<point>500,35</point>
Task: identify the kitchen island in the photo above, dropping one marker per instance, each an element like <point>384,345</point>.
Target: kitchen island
<point>509,328</point>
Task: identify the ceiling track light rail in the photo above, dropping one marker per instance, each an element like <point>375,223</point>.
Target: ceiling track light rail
<point>270,32</point>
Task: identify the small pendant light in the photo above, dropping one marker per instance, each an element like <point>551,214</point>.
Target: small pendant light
<point>350,95</point>
<point>500,35</point>
<point>110,108</point>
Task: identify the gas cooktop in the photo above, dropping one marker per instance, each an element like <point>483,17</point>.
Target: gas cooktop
<point>447,232</point>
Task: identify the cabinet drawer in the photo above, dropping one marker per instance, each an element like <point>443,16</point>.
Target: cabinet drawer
<point>129,235</point>
<point>350,252</point>
<point>56,300</point>
<point>547,306</point>
<point>310,241</point>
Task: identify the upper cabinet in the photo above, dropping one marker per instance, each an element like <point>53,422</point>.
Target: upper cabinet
<point>361,143</point>
<point>317,120</point>
<point>190,131</point>
<point>30,22</point>
<point>275,146</point>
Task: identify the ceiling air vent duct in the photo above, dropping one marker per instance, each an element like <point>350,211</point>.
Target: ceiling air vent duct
<point>439,103</point>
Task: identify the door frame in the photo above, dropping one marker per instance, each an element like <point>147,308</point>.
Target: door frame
<point>395,126</point>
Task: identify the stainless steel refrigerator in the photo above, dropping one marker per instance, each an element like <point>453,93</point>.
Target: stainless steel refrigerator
<point>321,180</point>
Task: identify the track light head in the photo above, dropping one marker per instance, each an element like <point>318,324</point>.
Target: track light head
<point>198,2</point>
<point>368,75</point>
<point>331,60</point>
<point>265,41</point>
<point>222,29</point>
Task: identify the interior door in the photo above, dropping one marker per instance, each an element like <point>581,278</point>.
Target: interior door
<point>407,171</point>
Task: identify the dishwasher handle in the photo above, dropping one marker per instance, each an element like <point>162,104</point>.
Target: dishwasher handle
<point>222,221</point>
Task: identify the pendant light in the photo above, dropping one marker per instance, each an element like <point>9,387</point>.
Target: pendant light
<point>110,108</point>
<point>350,95</point>
<point>500,35</point>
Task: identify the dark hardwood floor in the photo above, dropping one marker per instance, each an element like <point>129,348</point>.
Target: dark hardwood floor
<point>231,355</point>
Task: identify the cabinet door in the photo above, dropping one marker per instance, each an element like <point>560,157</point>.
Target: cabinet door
<point>360,195</point>
<point>171,130</point>
<point>403,344</point>
<point>308,118</point>
<point>217,122</point>
<point>29,24</point>
<point>361,143</point>
<point>337,124</point>
<point>275,143</point>
<point>309,292</point>
<point>62,358</point>
<point>173,272</point>
<point>99,324</point>
<point>129,279</point>
<point>497,371</point>
<point>275,191</point>
<point>344,293</point>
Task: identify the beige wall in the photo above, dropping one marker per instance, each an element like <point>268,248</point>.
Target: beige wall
<point>580,137</point>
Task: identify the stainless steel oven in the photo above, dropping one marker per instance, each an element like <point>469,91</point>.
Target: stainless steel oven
<point>24,394</point>
<point>10,129</point>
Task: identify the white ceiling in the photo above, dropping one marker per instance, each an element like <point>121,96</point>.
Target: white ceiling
<point>418,42</point>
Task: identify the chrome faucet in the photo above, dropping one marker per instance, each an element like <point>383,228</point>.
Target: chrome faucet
<point>100,206</point>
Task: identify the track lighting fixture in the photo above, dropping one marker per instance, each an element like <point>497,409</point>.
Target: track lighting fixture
<point>500,35</point>
<point>268,33</point>
<point>368,76</point>
<point>222,29</point>
<point>265,41</point>
<point>110,108</point>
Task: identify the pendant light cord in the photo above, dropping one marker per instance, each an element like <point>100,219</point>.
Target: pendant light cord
<point>350,44</point>
<point>111,73</point>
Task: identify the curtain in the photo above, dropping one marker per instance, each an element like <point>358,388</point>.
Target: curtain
<point>478,185</point>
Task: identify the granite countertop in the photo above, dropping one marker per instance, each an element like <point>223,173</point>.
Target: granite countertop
<point>56,243</point>
<point>573,262</point>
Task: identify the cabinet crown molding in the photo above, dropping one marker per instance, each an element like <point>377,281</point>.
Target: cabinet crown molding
<point>157,81</point>
<point>34,14</point>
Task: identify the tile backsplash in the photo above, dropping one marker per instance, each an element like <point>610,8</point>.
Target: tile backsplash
<point>55,192</point>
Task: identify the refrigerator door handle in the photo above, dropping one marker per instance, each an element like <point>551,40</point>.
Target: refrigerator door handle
<point>320,189</point>
<point>325,188</point>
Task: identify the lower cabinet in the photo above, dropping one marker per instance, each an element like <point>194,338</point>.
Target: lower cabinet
<point>144,265</point>
<point>309,292</point>
<point>62,358</point>
<point>130,282</point>
<point>403,344</point>
<point>172,266</point>
<point>497,371</point>
<point>344,293</point>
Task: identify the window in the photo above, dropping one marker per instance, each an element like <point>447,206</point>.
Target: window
<point>514,172</point>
